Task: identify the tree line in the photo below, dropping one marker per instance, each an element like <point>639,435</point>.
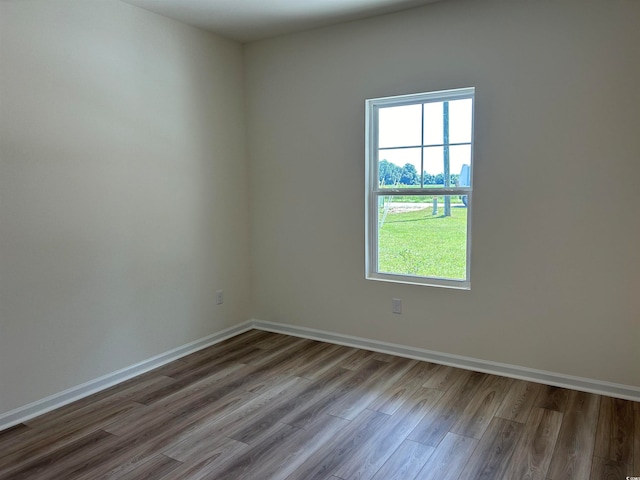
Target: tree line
<point>392,174</point>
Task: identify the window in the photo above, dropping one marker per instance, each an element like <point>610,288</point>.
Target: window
<point>419,166</point>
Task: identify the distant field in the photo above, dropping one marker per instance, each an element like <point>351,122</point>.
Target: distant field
<point>419,243</point>
<point>419,199</point>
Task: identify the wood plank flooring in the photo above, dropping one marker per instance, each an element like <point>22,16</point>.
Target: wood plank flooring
<point>268,406</point>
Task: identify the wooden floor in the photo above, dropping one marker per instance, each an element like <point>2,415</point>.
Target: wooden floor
<point>268,406</point>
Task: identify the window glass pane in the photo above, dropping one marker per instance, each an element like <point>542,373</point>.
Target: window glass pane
<point>423,236</point>
<point>399,167</point>
<point>460,161</point>
<point>460,121</point>
<point>434,165</point>
<point>433,123</point>
<point>399,126</point>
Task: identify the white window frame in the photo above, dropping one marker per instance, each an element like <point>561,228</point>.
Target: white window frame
<point>373,190</point>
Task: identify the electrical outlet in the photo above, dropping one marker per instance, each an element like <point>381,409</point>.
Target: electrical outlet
<point>219,297</point>
<point>396,305</point>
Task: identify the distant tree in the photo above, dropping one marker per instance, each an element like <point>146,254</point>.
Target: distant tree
<point>454,179</point>
<point>439,179</point>
<point>389,172</point>
<point>428,178</point>
<point>409,175</point>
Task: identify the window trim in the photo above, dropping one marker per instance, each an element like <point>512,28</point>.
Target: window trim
<point>373,192</point>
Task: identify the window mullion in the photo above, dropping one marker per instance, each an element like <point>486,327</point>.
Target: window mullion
<point>404,147</point>
<point>424,192</point>
<point>422,148</point>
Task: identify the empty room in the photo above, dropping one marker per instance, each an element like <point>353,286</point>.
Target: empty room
<point>332,240</point>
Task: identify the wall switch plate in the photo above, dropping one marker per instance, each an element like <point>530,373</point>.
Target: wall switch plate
<point>396,305</point>
<point>219,297</point>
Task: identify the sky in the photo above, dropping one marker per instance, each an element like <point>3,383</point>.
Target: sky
<point>401,127</point>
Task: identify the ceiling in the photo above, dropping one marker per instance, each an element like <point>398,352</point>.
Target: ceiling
<point>249,20</point>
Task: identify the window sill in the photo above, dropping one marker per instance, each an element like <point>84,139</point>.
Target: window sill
<point>422,281</point>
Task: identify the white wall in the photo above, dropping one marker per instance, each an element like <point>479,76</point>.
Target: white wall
<point>123,201</point>
<point>556,228</point>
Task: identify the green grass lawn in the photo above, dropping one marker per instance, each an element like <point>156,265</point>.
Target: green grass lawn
<point>419,243</point>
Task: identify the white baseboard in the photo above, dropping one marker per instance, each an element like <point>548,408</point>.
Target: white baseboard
<point>26,412</point>
<point>617,390</point>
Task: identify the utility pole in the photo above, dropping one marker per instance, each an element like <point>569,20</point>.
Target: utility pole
<point>447,169</point>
